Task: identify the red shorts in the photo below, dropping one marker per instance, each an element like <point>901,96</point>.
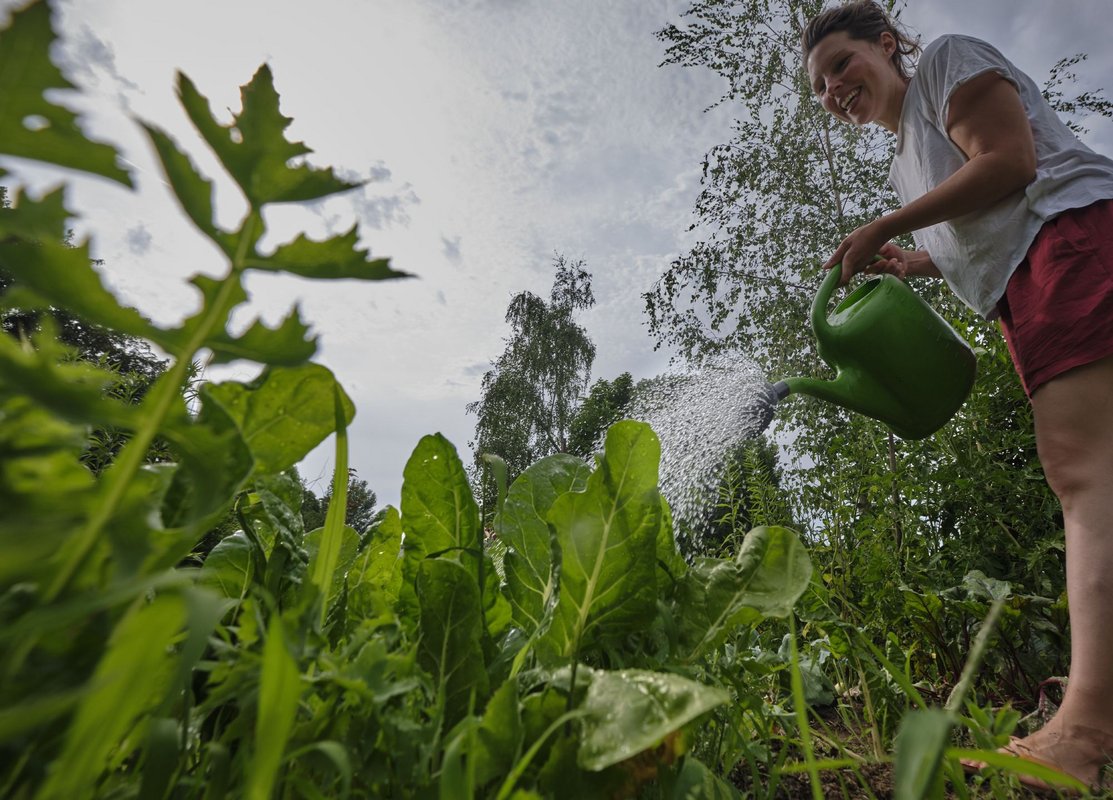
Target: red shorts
<point>1057,312</point>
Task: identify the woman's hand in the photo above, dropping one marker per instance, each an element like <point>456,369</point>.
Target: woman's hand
<point>903,263</point>
<point>858,249</point>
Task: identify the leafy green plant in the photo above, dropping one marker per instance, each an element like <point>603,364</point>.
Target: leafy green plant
<point>404,660</point>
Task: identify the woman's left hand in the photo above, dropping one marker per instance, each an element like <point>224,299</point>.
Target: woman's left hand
<point>858,249</point>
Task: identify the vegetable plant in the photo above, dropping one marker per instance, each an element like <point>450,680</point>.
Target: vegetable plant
<point>564,657</point>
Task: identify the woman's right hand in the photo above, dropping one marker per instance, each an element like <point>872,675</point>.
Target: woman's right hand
<point>903,263</point>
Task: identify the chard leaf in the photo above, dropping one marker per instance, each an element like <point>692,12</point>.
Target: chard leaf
<point>284,413</point>
<point>254,148</point>
<point>30,125</point>
<point>765,579</point>
<point>230,566</point>
<point>632,710</point>
<point>438,510</point>
<point>607,536</point>
<point>379,564</point>
<point>338,257</point>
<point>451,632</point>
<point>376,579</point>
<point>523,527</point>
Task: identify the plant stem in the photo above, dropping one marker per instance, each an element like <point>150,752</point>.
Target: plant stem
<point>157,408</point>
<point>801,708</point>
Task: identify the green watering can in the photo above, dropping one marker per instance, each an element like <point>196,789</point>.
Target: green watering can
<point>895,358</point>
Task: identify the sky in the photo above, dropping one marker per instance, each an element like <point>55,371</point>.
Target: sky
<point>493,134</point>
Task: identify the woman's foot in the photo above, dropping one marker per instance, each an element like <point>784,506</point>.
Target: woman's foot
<point>1077,750</point>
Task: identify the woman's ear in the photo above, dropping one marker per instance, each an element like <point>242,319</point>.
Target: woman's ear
<point>888,43</point>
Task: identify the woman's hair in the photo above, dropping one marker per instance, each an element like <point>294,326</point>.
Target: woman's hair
<point>861,19</point>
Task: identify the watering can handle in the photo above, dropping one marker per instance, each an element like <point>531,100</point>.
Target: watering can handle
<point>823,297</point>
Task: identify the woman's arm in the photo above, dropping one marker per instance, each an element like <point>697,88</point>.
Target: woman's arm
<point>987,122</point>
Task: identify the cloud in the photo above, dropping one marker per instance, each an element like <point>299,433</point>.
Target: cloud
<point>138,239</point>
<point>451,249</point>
<point>88,57</point>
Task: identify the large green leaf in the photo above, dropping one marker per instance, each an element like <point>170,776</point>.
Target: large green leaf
<point>283,414</point>
<point>254,149</point>
<point>338,257</point>
<point>230,566</point>
<point>131,679</point>
<point>31,126</point>
<point>607,536</point>
<point>451,632</point>
<point>523,527</point>
<point>768,575</point>
<point>328,566</point>
<point>375,580</point>
<point>438,510</point>
<point>632,710</point>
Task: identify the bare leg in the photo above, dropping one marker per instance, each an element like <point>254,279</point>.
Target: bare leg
<point>1074,435</point>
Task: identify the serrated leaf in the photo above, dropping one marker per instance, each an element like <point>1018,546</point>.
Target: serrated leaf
<point>218,299</point>
<point>338,257</point>
<point>523,527</point>
<point>451,631</point>
<point>283,414</point>
<point>607,536</point>
<point>62,275</point>
<point>254,148</point>
<point>193,191</point>
<point>31,126</point>
<point>768,575</point>
<point>72,390</point>
<point>287,345</point>
<point>632,710</point>
<point>29,220</point>
<point>131,678</point>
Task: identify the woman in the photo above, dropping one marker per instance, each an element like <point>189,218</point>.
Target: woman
<point>1009,208</point>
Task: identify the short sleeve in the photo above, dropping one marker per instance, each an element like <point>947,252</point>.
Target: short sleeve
<point>949,62</point>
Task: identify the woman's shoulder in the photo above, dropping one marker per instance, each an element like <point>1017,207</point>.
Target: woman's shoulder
<point>960,45</point>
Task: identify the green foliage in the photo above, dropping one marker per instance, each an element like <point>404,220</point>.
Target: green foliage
<point>606,403</point>
<point>319,662</point>
<point>531,393</point>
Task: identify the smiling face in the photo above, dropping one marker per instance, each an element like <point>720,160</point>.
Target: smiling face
<point>856,79</point>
